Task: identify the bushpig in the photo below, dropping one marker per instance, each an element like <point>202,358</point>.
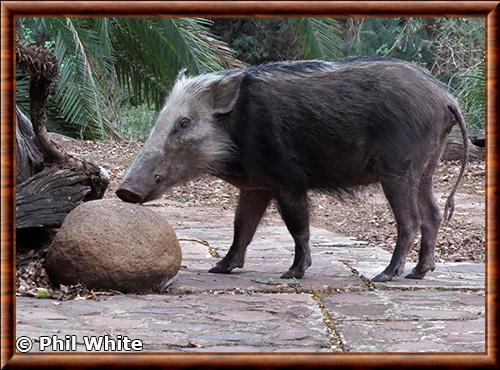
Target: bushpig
<point>280,129</point>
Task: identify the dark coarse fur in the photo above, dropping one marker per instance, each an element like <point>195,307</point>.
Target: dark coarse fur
<point>334,127</point>
<point>316,125</point>
<point>329,126</point>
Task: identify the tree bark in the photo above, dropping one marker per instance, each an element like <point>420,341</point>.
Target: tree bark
<point>44,200</point>
<point>454,149</point>
<point>41,65</point>
<point>50,183</point>
<point>29,155</point>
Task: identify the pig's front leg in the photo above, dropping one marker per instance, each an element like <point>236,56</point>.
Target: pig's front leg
<point>251,206</point>
<point>294,209</point>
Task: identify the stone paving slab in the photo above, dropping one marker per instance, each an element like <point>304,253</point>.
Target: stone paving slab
<point>180,216</point>
<point>253,310</point>
<point>262,277</point>
<point>450,275</point>
<point>268,242</point>
<point>409,321</point>
<point>413,336</point>
<point>225,322</point>
<point>406,305</point>
<point>369,261</point>
<point>354,253</point>
<point>269,255</point>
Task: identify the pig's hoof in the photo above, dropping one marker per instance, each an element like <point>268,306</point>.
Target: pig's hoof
<point>389,273</point>
<point>293,274</point>
<point>415,275</point>
<point>419,272</point>
<point>382,278</point>
<point>297,270</point>
<point>219,269</point>
<point>225,267</point>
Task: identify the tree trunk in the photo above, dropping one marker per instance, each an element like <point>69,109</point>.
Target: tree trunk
<point>41,65</point>
<point>29,156</point>
<point>50,183</point>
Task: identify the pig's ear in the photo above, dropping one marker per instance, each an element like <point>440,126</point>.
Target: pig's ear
<point>225,93</point>
<point>181,74</point>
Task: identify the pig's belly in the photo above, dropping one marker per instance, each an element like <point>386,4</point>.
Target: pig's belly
<point>242,181</point>
<point>334,180</point>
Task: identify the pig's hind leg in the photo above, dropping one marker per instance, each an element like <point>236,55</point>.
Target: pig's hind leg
<point>401,192</point>
<point>294,211</point>
<point>251,207</point>
<point>431,220</point>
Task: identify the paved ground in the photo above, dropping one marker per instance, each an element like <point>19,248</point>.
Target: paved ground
<point>333,308</point>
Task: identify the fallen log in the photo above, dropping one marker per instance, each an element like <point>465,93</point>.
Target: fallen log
<point>46,198</point>
<point>454,150</point>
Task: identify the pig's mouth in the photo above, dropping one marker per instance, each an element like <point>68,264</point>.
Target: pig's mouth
<point>137,190</point>
<point>128,192</point>
<point>130,196</point>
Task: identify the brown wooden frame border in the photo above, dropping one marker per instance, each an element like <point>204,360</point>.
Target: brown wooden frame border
<point>10,9</point>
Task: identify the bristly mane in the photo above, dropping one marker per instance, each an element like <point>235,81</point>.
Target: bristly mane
<point>290,69</point>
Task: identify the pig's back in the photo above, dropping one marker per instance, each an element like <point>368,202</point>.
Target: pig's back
<point>325,125</point>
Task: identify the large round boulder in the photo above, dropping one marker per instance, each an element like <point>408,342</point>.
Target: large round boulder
<point>109,244</point>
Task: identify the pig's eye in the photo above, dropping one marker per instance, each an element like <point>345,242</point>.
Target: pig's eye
<point>184,123</point>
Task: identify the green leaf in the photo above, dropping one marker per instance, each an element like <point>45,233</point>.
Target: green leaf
<point>105,61</point>
<point>319,37</point>
<point>42,293</point>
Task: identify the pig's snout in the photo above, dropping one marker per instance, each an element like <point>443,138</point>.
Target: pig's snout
<point>128,195</point>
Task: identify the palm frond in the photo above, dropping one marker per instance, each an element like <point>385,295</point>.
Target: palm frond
<point>100,55</point>
<point>78,102</point>
<point>319,37</point>
<point>147,60</point>
<point>208,52</point>
<point>22,90</point>
<point>150,52</point>
<point>84,64</point>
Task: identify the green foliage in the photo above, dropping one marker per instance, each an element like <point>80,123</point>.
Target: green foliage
<point>84,60</point>
<point>102,59</point>
<point>404,38</point>
<point>318,38</point>
<point>451,48</point>
<point>136,122</point>
<point>83,84</point>
<point>471,93</point>
<point>116,72</point>
<point>459,60</point>
<point>257,41</point>
<point>151,51</point>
